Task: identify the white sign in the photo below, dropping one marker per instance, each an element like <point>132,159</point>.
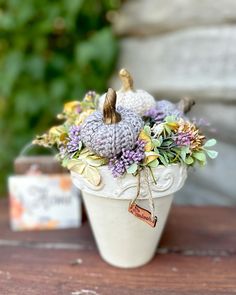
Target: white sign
<point>43,202</point>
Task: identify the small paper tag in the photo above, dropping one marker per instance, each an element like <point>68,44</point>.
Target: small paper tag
<point>142,214</point>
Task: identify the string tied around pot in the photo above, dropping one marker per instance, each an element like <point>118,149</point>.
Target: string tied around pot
<point>142,213</point>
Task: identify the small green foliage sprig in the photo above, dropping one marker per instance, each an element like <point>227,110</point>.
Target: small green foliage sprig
<point>176,141</point>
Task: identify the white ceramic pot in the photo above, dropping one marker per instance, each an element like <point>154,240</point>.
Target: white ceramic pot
<point>122,239</point>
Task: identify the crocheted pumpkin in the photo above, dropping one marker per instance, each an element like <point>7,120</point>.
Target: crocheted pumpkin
<point>138,101</point>
<point>178,110</point>
<point>107,133</point>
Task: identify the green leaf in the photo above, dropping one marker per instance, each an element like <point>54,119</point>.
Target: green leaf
<point>170,119</point>
<point>166,157</point>
<point>147,130</point>
<point>132,168</point>
<point>163,160</point>
<point>167,129</point>
<point>210,142</point>
<point>167,142</point>
<point>149,157</point>
<point>156,151</point>
<point>170,155</point>
<point>186,149</point>
<point>183,152</point>
<point>200,156</point>
<point>212,154</point>
<point>156,142</point>
<point>201,163</point>
<point>189,160</point>
<point>176,150</point>
<point>153,164</point>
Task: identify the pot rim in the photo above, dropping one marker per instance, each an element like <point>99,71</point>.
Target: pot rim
<point>169,180</point>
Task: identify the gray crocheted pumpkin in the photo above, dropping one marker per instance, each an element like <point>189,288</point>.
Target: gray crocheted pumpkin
<point>108,133</point>
<point>138,101</point>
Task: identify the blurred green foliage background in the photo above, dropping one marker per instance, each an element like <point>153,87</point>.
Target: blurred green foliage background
<point>51,51</point>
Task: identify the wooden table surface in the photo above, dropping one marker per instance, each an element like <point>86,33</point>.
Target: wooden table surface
<point>197,255</point>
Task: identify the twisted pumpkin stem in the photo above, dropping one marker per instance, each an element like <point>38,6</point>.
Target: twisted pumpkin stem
<point>185,104</point>
<point>110,115</point>
<point>127,80</point>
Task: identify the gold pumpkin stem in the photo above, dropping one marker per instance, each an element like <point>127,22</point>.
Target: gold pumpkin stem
<point>110,115</point>
<point>127,80</point>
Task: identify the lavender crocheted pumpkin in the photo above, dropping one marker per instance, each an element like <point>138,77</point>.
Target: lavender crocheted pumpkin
<point>109,139</point>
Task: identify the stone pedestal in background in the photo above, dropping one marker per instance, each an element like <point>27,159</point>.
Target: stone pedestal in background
<point>176,48</point>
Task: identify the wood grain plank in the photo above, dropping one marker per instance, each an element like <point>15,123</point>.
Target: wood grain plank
<point>197,256</point>
<point>37,271</point>
<point>201,228</point>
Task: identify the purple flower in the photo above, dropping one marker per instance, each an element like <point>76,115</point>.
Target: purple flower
<point>118,165</point>
<point>74,139</point>
<point>183,138</point>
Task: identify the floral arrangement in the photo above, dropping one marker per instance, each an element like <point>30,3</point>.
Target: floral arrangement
<point>163,135</point>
